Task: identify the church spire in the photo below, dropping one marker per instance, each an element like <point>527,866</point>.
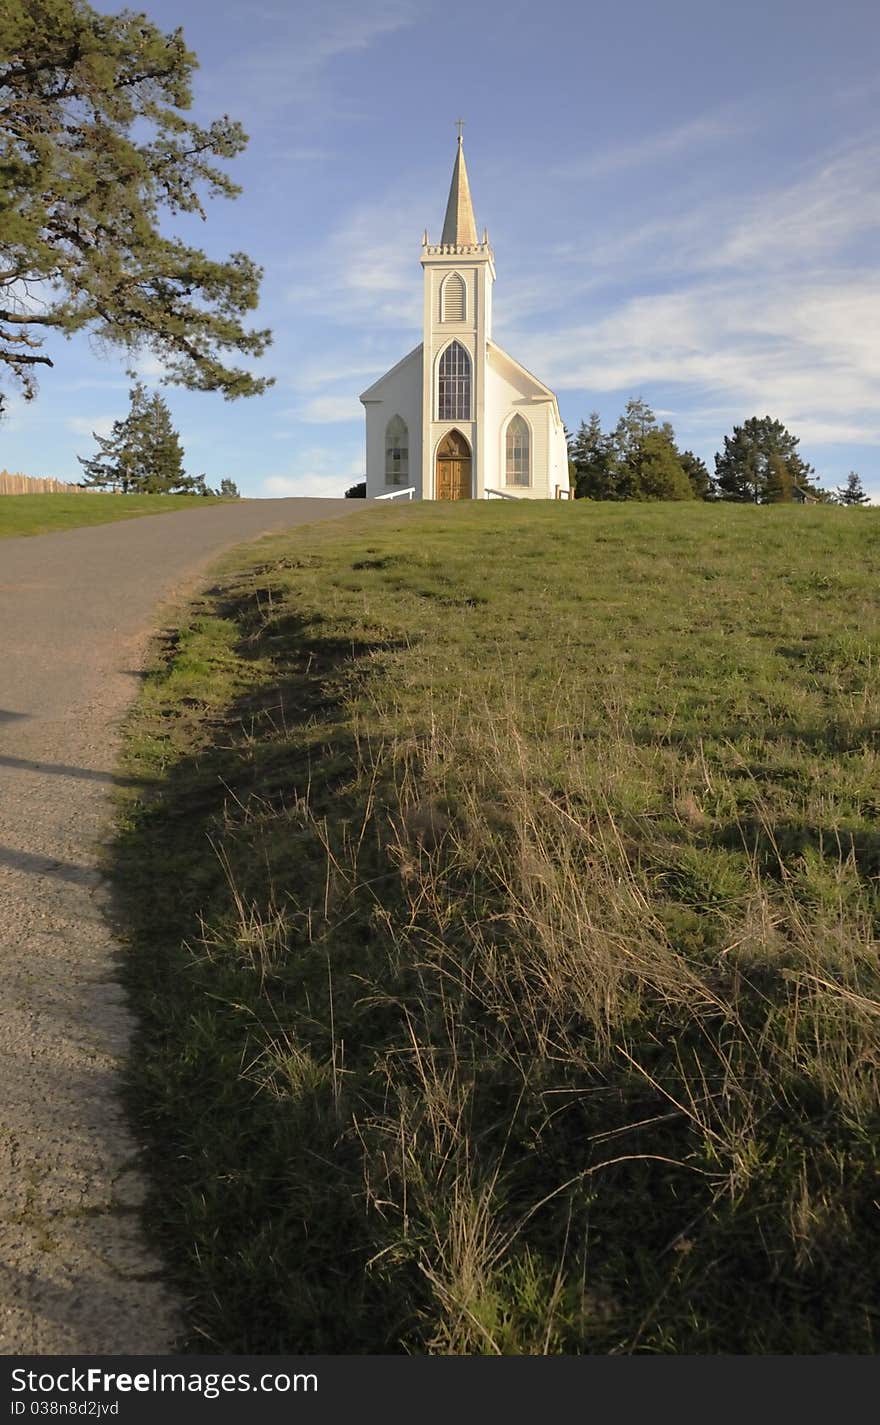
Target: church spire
<point>459,226</point>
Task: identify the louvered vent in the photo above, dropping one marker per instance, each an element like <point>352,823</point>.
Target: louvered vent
<point>452,299</point>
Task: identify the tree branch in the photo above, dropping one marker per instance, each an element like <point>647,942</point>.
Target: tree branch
<point>20,358</point>
<point>21,319</point>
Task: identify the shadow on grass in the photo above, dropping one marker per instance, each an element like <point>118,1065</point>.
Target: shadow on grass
<point>270,1004</point>
<point>776,847</point>
<point>254,1201</point>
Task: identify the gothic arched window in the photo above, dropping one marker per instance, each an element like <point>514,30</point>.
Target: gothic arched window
<point>453,299</point>
<point>396,452</point>
<point>517,452</point>
<point>454,384</point>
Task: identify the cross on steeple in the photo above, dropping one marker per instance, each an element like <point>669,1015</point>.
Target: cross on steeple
<point>459,124</point>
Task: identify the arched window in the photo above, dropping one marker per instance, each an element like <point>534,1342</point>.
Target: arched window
<point>396,452</point>
<point>453,299</point>
<point>517,452</point>
<point>454,384</point>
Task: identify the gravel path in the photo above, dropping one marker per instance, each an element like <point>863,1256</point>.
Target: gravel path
<point>76,611</point>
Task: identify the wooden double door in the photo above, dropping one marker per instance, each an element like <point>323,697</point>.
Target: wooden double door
<point>454,474</point>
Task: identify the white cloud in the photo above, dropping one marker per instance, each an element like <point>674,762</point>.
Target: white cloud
<point>819,214</point>
<point>310,482</point>
<point>147,365</point>
<point>366,273</point>
<point>339,372</point>
<point>90,425</point>
<point>318,471</point>
<point>775,310</point>
<point>326,410</point>
<point>92,383</point>
<point>288,67</point>
<point>703,132</point>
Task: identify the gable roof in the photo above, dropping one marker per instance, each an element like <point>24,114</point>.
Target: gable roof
<point>501,356</point>
<point>372,392</point>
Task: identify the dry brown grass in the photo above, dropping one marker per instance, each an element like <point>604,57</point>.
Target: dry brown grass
<point>535,1002</point>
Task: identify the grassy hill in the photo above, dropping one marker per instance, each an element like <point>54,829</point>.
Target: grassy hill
<point>502,886</point>
<point>40,514</point>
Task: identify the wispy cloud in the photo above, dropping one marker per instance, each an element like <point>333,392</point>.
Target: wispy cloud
<point>310,482</point>
<point>821,213</point>
<point>90,425</point>
<point>367,268</point>
<point>147,365</point>
<point>703,132</point>
<point>328,410</point>
<point>93,383</point>
<point>287,68</point>
<point>774,307</point>
<point>317,470</point>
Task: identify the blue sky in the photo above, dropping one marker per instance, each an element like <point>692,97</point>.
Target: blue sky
<point>683,199</point>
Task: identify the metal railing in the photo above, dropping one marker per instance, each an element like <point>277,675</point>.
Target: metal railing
<point>399,494</point>
<point>500,494</point>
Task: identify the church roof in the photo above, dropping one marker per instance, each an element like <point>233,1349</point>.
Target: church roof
<point>371,393</point>
<point>498,356</point>
<point>459,225</point>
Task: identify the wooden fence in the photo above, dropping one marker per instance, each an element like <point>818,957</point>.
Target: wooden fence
<point>31,485</point>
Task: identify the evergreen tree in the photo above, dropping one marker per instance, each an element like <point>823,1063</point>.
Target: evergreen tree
<point>116,465</point>
<point>698,474</point>
<point>590,457</point>
<point>743,468</point>
<point>228,489</point>
<point>853,492</point>
<point>644,463</point>
<point>95,152</point>
<point>160,452</point>
<point>660,472</point>
<point>626,443</point>
<point>778,485</point>
<point>143,453</point>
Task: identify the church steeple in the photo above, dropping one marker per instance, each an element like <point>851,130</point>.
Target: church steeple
<point>459,225</point>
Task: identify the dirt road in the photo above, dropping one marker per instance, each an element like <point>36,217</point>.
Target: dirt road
<point>76,611</point>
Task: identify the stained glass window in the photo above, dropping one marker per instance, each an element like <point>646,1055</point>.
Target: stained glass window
<point>454,385</point>
<point>396,452</point>
<point>517,452</point>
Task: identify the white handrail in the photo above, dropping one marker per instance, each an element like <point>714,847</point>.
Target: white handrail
<point>398,494</point>
<point>500,494</point>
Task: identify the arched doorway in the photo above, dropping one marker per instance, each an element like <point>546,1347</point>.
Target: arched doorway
<point>453,467</point>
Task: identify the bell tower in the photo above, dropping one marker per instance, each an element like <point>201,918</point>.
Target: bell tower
<point>459,276</point>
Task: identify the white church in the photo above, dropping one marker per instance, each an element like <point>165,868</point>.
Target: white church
<point>459,419</point>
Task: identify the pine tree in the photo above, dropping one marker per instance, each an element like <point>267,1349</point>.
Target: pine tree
<point>116,465</point>
<point>697,472</point>
<point>853,492</point>
<point>161,451</point>
<point>778,485</point>
<point>660,472</point>
<point>96,152</point>
<point>644,462</point>
<point>228,489</point>
<point>742,469</point>
<point>635,423</point>
<point>590,457</point>
<point>143,453</point>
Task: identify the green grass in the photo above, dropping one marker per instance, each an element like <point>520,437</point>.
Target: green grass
<point>40,514</point>
<point>502,893</point>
